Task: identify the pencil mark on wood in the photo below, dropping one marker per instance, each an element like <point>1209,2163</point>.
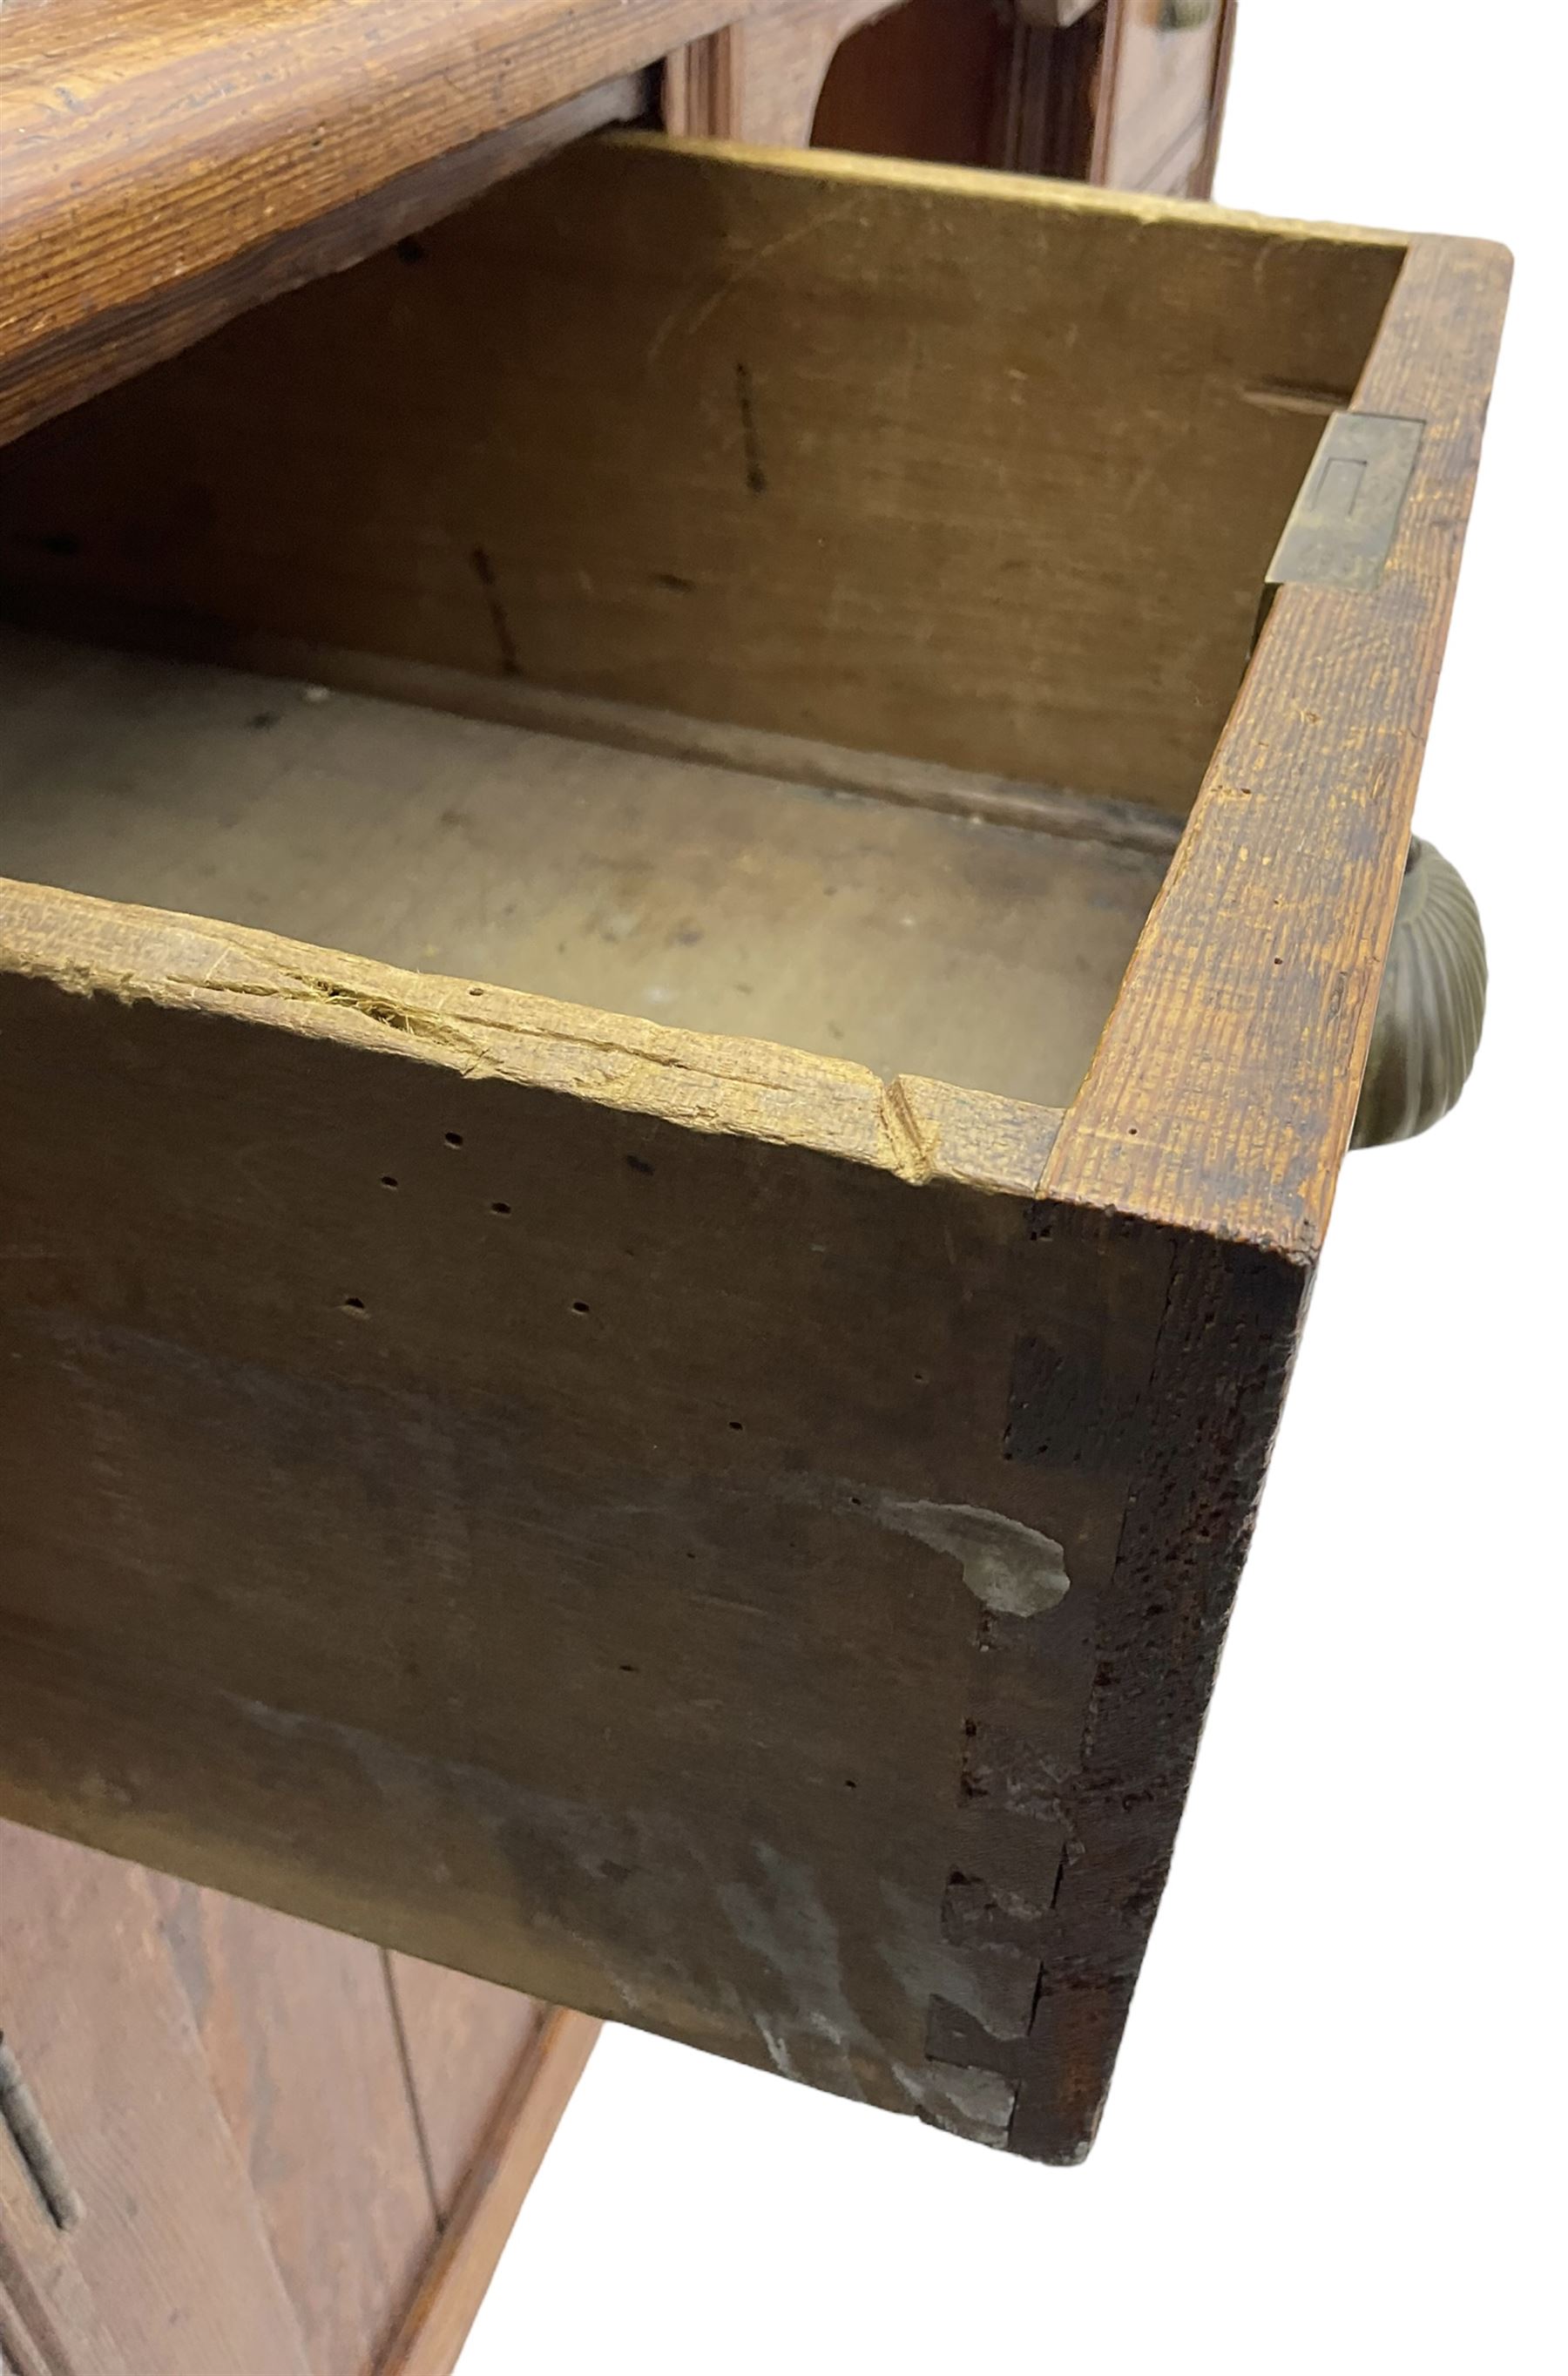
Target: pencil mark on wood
<point>506,649</point>
<point>756,477</point>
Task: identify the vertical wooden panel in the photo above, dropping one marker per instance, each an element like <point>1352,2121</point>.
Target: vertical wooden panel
<point>170,2250</point>
<point>463,2038</point>
<point>1161,85</point>
<point>50,2325</point>
<point>490,2197</point>
<point>301,2044</point>
<point>921,81</point>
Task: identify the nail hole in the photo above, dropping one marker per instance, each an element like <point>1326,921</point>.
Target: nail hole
<point>739,1426</point>
<point>453,1138</point>
<point>849,1785</point>
<point>630,1671</point>
<point>353,1303</point>
<point>387,1181</point>
<point>920,1378</point>
<point>477,990</point>
<point>635,1163</point>
<point>499,1207</point>
<point>580,1307</point>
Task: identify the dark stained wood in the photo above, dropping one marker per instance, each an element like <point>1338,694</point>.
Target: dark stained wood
<point>730,1542</point>
<point>1181,1461</point>
<point>923,80</point>
<point>762,1821</point>
<point>1058,95</point>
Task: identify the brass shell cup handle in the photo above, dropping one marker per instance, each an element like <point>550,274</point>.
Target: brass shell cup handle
<point>1428,1025</point>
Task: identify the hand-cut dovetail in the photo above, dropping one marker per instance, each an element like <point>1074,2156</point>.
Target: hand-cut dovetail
<point>33,2143</point>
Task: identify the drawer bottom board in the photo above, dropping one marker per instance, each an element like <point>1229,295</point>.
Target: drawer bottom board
<point>692,893</point>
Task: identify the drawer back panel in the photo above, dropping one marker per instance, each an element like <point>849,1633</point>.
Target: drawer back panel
<point>976,470</point>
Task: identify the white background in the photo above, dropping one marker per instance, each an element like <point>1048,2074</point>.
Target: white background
<point>1335,2140</point>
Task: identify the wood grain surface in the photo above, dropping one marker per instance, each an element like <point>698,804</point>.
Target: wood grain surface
<point>1162,94</point>
<point>695,894</point>
<point>1223,1093</point>
<point>101,349</point>
<point>593,1627</point>
<point>384,2117</point>
<point>172,2267</point>
<point>463,2041</point>
<point>977,470</point>
<point>702,1531</point>
<point>162,158</point>
<point>297,2032</point>
<point>503,2167</point>
<point>925,79</point>
<point>759,79</point>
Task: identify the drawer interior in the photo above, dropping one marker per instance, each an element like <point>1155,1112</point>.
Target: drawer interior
<point>937,506</point>
<point>690,891</point>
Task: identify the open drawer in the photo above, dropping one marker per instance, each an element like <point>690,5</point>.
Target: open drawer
<point>645,1367</point>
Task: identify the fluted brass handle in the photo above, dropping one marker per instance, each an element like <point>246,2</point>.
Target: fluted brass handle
<point>1429,1014</point>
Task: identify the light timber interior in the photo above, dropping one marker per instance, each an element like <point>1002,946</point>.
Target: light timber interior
<point>689,893</point>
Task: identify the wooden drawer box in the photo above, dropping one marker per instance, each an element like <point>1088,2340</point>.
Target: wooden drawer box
<point>678,1428</point>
